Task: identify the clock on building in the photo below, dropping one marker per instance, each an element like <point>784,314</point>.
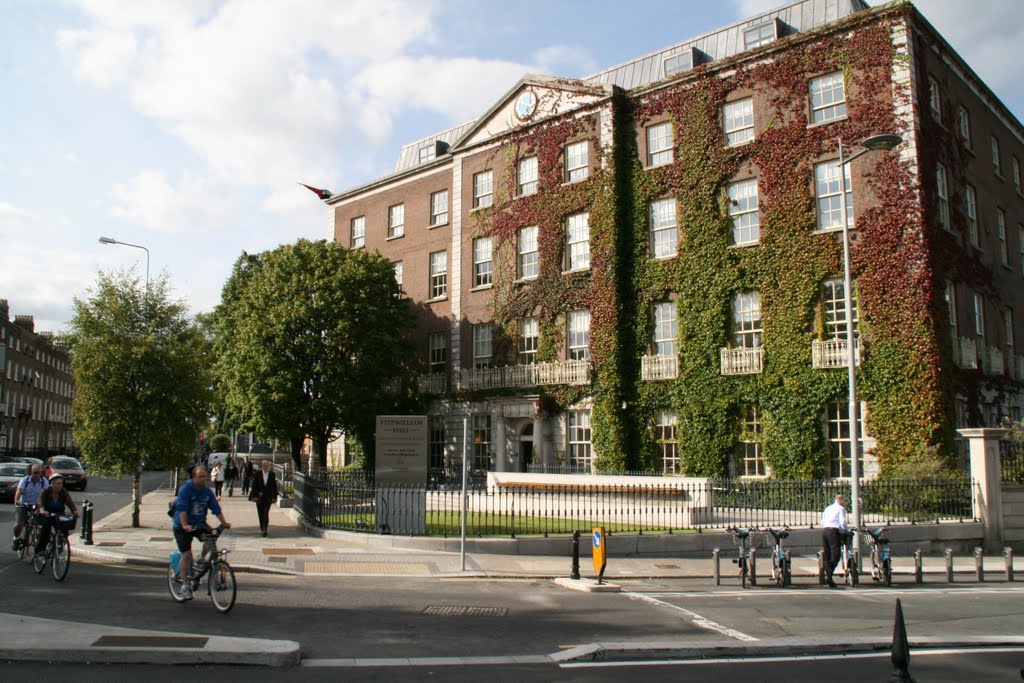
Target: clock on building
<point>526,105</point>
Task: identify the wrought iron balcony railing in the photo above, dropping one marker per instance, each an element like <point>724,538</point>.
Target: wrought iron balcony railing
<point>560,372</point>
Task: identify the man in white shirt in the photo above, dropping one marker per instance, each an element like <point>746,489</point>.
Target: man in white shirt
<point>833,523</point>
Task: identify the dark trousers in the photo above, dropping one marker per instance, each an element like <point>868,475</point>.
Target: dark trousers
<point>45,528</point>
<point>830,544</point>
<point>219,486</point>
<point>245,483</point>
<point>263,511</point>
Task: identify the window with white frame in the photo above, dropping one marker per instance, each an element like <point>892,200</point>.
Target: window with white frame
<point>1015,167</point>
<point>1004,251</point>
<point>528,262</point>
<point>978,306</point>
<point>935,100</point>
<point>577,161</point>
<point>526,175</point>
<point>828,97</point>
<point>577,241</point>
<point>997,166</point>
<point>757,36</point>
<point>971,201</point>
<point>746,219</point>
<point>1008,331</point>
<point>396,220</point>
<point>579,335</point>
<point>666,328</point>
<point>438,352</point>
<point>751,460</point>
<point>942,192</point>
<point>746,319</point>
<point>664,233</point>
<point>837,427</point>
<point>437,443</point>
<point>482,442</point>
<point>828,191</point>
<point>483,335</point>
<point>833,298</point>
<point>399,267</point>
<point>529,340</point>
<point>483,189</point>
<point>951,306</point>
<point>665,424</point>
<point>358,232</point>
<point>427,153</point>
<point>438,274</point>
<point>439,208</point>
<point>963,125</point>
<point>581,453</point>
<point>659,144</point>
<point>738,121</point>
<point>483,265</point>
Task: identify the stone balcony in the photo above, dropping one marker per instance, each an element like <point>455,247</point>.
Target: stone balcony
<point>992,361</point>
<point>659,367</point>
<point>965,353</point>
<point>434,383</point>
<point>741,361</point>
<point>831,353</point>
<point>561,372</point>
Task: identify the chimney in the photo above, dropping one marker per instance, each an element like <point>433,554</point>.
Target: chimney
<point>26,322</point>
<point>5,310</point>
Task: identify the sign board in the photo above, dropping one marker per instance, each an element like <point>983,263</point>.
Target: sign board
<point>401,456</point>
<point>597,537</point>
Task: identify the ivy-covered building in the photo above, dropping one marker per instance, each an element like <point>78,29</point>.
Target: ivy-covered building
<point>643,269</point>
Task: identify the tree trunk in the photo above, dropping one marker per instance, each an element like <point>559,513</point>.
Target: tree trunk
<point>320,441</point>
<point>296,444</point>
<point>137,497</point>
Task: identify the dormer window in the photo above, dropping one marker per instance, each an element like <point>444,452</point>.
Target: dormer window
<point>682,61</point>
<point>427,153</point>
<point>762,34</point>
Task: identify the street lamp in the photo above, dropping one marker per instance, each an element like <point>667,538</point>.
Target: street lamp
<point>874,143</point>
<point>110,240</point>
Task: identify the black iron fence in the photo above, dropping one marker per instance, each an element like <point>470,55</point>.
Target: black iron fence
<point>1011,461</point>
<point>341,500</point>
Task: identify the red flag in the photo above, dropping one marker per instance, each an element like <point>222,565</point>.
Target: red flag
<point>323,194</point>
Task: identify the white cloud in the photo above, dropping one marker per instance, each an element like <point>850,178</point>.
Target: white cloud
<point>560,60</point>
<point>192,205</point>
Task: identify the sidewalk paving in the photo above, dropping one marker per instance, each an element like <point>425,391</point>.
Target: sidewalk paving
<point>289,550</point>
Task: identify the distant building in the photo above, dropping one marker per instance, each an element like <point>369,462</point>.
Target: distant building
<point>36,390</point>
<point>643,269</point>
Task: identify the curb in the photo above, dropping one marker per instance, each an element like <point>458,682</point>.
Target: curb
<point>138,561</point>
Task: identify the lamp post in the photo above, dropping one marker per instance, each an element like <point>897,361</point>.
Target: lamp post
<point>110,240</point>
<point>874,143</point>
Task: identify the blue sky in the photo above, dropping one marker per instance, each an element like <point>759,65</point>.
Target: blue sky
<point>183,125</point>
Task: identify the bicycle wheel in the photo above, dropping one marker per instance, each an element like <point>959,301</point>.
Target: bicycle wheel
<point>787,571</point>
<point>743,572</point>
<point>61,556</point>
<point>887,571</point>
<point>854,574</point>
<point>174,584</point>
<point>38,561</point>
<point>778,568</point>
<point>222,586</point>
<point>27,550</point>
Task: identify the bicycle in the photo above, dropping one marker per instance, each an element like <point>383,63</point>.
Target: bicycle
<point>58,550</point>
<point>741,538</point>
<point>847,560</point>
<point>881,561</point>
<point>29,534</point>
<point>221,584</point>
<point>781,563</point>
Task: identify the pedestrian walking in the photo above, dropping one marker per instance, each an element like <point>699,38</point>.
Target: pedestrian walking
<point>833,523</point>
<point>230,474</point>
<point>264,494</point>
<point>217,477</point>
<point>247,472</point>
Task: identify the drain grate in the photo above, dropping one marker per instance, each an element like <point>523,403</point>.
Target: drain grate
<point>277,559</point>
<point>667,566</point>
<point>465,611</point>
<point>111,543</point>
<point>157,539</point>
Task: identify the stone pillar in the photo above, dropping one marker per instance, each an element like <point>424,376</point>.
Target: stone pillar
<point>500,443</point>
<point>539,454</point>
<point>985,470</point>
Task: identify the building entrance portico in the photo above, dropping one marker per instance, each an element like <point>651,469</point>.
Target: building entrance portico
<point>522,436</point>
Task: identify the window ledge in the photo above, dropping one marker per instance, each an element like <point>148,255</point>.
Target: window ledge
<point>482,288</point>
<point>999,174</point>
<point>520,195</point>
<point>819,124</point>
<point>523,280</point>
<point>437,299</point>
<point>437,225</point>
<point>648,167</point>
<point>480,208</point>
<point>743,144</point>
<point>361,246</point>
<point>754,244</point>
<point>575,182</point>
<point>576,270</point>
<point>829,231</point>
<point>395,237</point>
<point>665,258</point>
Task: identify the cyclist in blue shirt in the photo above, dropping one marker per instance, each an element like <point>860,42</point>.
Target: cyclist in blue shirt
<point>194,499</point>
<point>25,498</point>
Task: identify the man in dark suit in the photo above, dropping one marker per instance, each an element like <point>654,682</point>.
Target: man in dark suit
<point>263,491</point>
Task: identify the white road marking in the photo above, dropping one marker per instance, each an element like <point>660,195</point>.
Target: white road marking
<point>698,620</point>
<point>426,661</point>
<point>765,660</point>
<point>845,593</point>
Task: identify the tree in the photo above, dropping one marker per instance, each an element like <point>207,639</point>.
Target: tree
<point>220,443</point>
<point>312,338</point>
<point>142,377</point>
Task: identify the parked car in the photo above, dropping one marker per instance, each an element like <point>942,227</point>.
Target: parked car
<point>69,468</point>
<point>218,459</point>
<point>30,460</point>
<point>10,474</point>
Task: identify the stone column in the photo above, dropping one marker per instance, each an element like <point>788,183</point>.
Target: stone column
<point>539,454</point>
<point>499,444</point>
<point>985,470</point>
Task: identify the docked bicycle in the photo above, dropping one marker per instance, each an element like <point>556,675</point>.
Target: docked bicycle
<point>847,558</point>
<point>213,562</point>
<point>782,569</point>
<point>881,560</point>
<point>741,535</point>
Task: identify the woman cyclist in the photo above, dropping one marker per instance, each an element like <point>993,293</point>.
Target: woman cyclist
<point>53,502</point>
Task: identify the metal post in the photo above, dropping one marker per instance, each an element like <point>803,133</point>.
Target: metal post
<point>575,574</point>
<point>88,533</point>
<point>1008,554</point>
<point>85,517</point>
<point>716,569</point>
<point>465,475</point>
<point>979,564</point>
<point>949,565</point>
<point>918,568</point>
<point>821,567</point>
<point>753,566</point>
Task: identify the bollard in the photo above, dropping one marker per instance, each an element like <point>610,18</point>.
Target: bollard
<point>575,556</point>
<point>918,568</point>
<point>716,569</point>
<point>85,517</point>
<point>87,510</point>
<point>821,567</point>
<point>949,565</point>
<point>753,566</point>
<point>979,564</point>
<point>1008,554</point>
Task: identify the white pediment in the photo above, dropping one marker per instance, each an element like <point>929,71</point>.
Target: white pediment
<point>533,99</point>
